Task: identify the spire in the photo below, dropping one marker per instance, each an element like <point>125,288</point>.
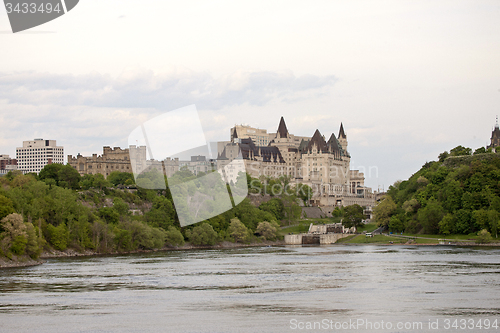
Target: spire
<point>496,125</point>
<point>317,139</point>
<point>341,132</point>
<point>235,134</point>
<point>282,130</point>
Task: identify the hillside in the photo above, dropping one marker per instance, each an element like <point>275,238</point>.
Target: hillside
<point>458,194</point>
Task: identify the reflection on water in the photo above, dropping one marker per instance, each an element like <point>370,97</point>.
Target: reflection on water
<point>251,289</point>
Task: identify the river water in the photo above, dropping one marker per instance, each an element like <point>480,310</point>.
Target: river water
<point>262,289</point>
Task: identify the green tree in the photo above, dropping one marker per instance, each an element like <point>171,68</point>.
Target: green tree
<point>120,206</point>
<point>384,210</point>
<point>430,215</point>
<point>121,178</point>
<point>460,151</point>
<point>100,182</point>
<point>69,175</point>
<point>32,244</point>
<point>50,171</point>
<point>274,206</point>
<point>395,224</point>
<point>6,206</point>
<point>202,234</point>
<point>174,237</point>
<point>353,216</point>
<point>268,230</point>
<point>109,214</point>
<point>14,238</point>
<point>58,236</point>
<point>480,150</point>
<point>483,237</point>
<point>237,230</point>
<point>447,224</point>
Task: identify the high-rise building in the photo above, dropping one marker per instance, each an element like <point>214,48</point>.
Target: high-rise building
<point>36,154</point>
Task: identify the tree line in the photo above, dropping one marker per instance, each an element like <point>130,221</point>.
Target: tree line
<point>59,209</point>
<point>458,194</point>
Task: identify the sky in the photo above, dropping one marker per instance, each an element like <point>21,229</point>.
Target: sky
<point>408,79</point>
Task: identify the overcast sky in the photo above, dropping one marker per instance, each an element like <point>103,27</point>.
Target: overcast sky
<point>407,79</point>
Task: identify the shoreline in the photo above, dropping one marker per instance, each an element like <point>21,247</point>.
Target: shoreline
<point>26,261</point>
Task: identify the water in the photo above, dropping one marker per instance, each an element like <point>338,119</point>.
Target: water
<point>278,289</point>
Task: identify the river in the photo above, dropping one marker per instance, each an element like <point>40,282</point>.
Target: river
<point>261,289</point>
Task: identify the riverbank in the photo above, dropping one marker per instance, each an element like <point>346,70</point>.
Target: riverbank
<point>26,261</point>
<point>19,261</point>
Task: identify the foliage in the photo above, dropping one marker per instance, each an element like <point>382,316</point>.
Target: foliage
<point>174,237</point>
<point>6,206</point>
<point>353,216</point>
<point>268,230</point>
<point>274,206</point>
<point>483,237</point>
<point>14,238</point>
<point>237,230</point>
<point>459,194</point>
<point>384,210</point>
<point>202,234</point>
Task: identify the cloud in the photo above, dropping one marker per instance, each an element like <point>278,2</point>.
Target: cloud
<point>138,88</point>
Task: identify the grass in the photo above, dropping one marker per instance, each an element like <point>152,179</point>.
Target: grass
<point>369,227</point>
<point>457,237</point>
<point>345,239</point>
<point>383,239</point>
<point>295,229</point>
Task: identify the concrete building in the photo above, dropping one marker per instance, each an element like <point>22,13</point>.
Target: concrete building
<point>196,165</point>
<point>36,154</point>
<point>322,164</point>
<point>259,136</point>
<point>7,164</point>
<point>132,159</point>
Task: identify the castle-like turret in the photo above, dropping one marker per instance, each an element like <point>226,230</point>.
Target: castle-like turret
<point>342,138</point>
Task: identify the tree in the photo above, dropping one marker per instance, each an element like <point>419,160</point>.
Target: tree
<point>32,248</point>
<point>480,150</point>
<point>353,216</point>
<point>50,171</point>
<point>483,237</point>
<point>268,230</point>
<point>174,237</point>
<point>100,182</point>
<point>460,151</point>
<point>58,236</point>
<point>121,178</point>
<point>202,234</point>
<point>109,214</point>
<point>120,206</point>
<point>69,175</point>
<point>447,224</point>
<point>15,237</point>
<point>291,209</point>
<point>395,224</point>
<point>444,155</point>
<point>430,215</point>
<point>274,206</point>
<point>237,230</point>
<point>6,206</point>
<point>383,211</point>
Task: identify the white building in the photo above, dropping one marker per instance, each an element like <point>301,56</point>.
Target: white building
<point>36,154</point>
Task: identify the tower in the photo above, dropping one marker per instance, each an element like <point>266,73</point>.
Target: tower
<point>495,136</point>
<point>342,138</point>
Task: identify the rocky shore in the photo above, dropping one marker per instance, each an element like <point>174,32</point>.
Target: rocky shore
<point>25,261</point>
